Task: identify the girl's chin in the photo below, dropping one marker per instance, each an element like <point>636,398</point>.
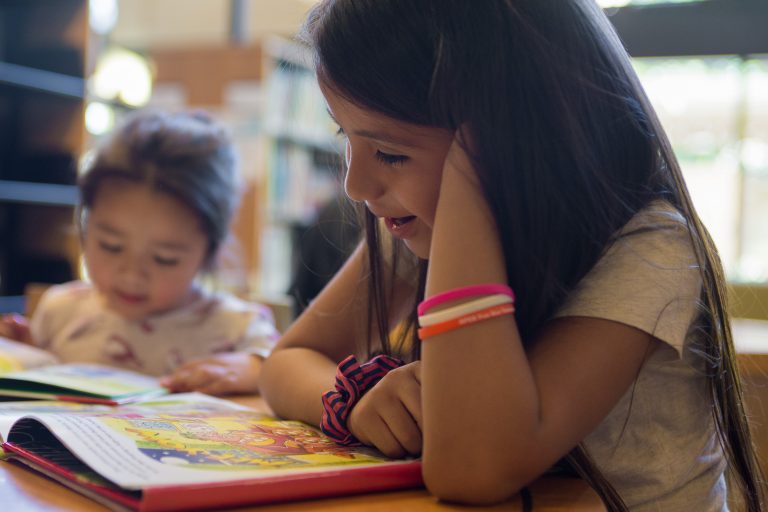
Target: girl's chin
<point>126,312</point>
<point>419,248</point>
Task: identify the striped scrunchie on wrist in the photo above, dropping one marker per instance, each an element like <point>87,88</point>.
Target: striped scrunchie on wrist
<point>353,380</point>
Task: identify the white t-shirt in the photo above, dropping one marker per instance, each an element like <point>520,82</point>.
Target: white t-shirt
<point>71,322</point>
<point>658,445</point>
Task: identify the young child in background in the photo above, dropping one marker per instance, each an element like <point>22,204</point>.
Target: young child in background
<point>156,204</point>
<point>524,206</point>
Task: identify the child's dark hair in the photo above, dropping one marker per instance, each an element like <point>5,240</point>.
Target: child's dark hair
<point>565,143</point>
<point>185,155</point>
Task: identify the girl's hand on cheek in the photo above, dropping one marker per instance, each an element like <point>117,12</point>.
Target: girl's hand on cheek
<point>459,179</point>
<point>461,203</point>
<point>389,415</point>
<point>217,375</point>
<point>465,246</point>
<point>457,161</point>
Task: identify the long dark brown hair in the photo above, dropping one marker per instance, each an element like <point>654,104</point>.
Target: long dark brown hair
<point>565,143</point>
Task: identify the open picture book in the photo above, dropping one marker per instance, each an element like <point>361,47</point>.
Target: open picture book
<point>31,373</point>
<point>190,452</point>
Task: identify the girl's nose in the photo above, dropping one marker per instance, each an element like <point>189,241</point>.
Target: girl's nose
<point>133,267</point>
<point>360,183</point>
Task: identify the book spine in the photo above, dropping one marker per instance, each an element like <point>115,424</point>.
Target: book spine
<point>85,400</point>
<point>326,484</point>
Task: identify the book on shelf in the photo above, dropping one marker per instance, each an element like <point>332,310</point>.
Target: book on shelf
<point>181,456</point>
<point>32,373</point>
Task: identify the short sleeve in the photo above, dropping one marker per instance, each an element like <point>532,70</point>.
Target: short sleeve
<point>648,278</point>
<point>56,306</point>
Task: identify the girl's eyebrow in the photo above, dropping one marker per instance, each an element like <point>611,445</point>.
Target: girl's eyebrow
<point>173,246</point>
<point>380,136</point>
<point>107,228</point>
<point>167,244</point>
<point>386,138</point>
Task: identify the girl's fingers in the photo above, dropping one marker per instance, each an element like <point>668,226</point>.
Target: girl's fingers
<point>389,416</point>
<point>199,378</point>
<point>183,379</point>
<point>410,396</point>
<point>403,426</point>
<point>415,368</point>
<point>369,427</point>
<point>212,380</point>
<point>406,432</point>
<point>174,383</point>
<point>220,386</point>
<point>218,381</point>
<point>384,440</point>
<point>188,375</point>
<point>14,327</point>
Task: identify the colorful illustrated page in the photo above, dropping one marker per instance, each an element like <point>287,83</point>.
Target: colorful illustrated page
<point>136,449</point>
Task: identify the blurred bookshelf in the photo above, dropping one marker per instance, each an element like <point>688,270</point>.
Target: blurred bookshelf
<point>302,159</point>
<point>43,53</point>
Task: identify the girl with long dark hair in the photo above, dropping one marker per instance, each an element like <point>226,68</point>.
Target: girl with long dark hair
<point>529,232</point>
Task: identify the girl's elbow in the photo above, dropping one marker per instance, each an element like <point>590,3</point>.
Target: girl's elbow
<point>460,483</point>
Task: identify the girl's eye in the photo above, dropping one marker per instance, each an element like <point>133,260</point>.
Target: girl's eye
<point>390,159</point>
<point>166,262</point>
<point>113,248</point>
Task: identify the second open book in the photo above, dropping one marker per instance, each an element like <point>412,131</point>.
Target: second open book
<point>32,373</point>
<point>185,452</point>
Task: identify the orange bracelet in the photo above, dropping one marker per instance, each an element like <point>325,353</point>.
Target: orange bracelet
<point>469,319</point>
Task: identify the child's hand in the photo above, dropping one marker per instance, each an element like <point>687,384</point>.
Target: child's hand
<point>457,159</point>
<point>217,375</point>
<point>15,327</point>
<point>389,415</point>
<point>464,224</point>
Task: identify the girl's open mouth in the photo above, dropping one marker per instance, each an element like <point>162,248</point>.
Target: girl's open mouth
<point>398,222</point>
<point>399,226</point>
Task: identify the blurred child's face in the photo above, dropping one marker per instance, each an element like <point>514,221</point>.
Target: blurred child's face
<point>394,167</point>
<point>143,249</point>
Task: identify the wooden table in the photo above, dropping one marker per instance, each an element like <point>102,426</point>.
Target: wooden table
<point>22,489</point>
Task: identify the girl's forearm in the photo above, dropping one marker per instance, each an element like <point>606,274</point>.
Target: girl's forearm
<point>480,400</point>
<point>293,381</point>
